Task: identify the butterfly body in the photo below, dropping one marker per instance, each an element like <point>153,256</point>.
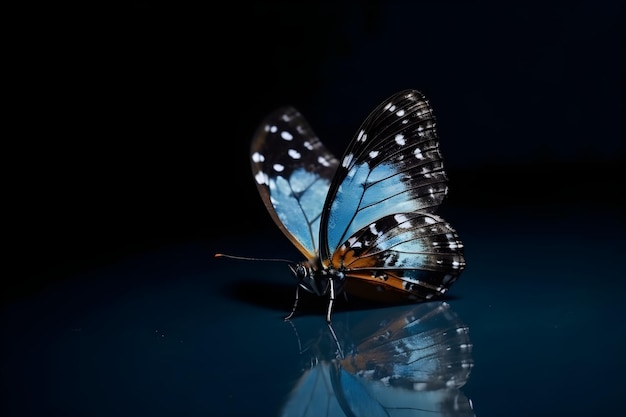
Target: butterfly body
<point>365,223</point>
<point>317,279</point>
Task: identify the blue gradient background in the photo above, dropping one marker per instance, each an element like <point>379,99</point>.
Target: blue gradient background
<point>130,169</point>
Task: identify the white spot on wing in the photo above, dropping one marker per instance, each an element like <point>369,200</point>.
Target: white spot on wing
<point>373,154</point>
<point>294,154</point>
<point>323,160</point>
<point>257,157</point>
<point>261,178</point>
<point>279,167</point>
<point>347,160</point>
<point>400,139</point>
<point>286,135</point>
<point>402,221</point>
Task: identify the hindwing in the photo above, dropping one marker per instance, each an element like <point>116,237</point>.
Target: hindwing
<point>404,255</point>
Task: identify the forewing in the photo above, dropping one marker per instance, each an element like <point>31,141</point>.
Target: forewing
<point>293,172</point>
<point>414,256</point>
<point>392,165</point>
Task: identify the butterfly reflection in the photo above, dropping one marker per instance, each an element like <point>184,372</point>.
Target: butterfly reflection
<point>410,363</point>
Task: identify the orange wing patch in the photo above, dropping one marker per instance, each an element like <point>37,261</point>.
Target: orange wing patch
<point>366,279</point>
<point>388,286</point>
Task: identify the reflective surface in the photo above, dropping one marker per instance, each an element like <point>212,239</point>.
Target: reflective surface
<point>408,361</point>
<point>534,327</point>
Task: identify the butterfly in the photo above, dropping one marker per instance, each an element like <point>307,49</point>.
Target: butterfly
<point>365,223</point>
<point>405,362</point>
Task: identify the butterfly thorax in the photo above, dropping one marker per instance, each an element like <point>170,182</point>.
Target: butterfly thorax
<point>315,278</point>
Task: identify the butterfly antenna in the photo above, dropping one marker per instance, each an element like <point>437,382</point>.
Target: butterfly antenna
<point>244,258</point>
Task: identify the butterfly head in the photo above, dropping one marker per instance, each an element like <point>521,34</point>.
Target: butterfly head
<point>306,275</point>
<point>315,278</point>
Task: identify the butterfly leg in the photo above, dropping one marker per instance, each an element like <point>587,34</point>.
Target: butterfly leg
<point>339,350</point>
<point>331,301</point>
<point>295,304</point>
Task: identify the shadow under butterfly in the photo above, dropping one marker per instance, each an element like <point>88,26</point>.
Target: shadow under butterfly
<point>365,223</point>
<point>409,363</point>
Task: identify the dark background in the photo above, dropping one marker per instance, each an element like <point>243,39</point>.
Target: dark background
<point>133,123</point>
<point>126,157</point>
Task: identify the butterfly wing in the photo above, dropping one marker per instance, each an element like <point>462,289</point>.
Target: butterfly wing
<point>379,225</point>
<point>404,255</point>
<point>392,165</point>
<point>293,172</point>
